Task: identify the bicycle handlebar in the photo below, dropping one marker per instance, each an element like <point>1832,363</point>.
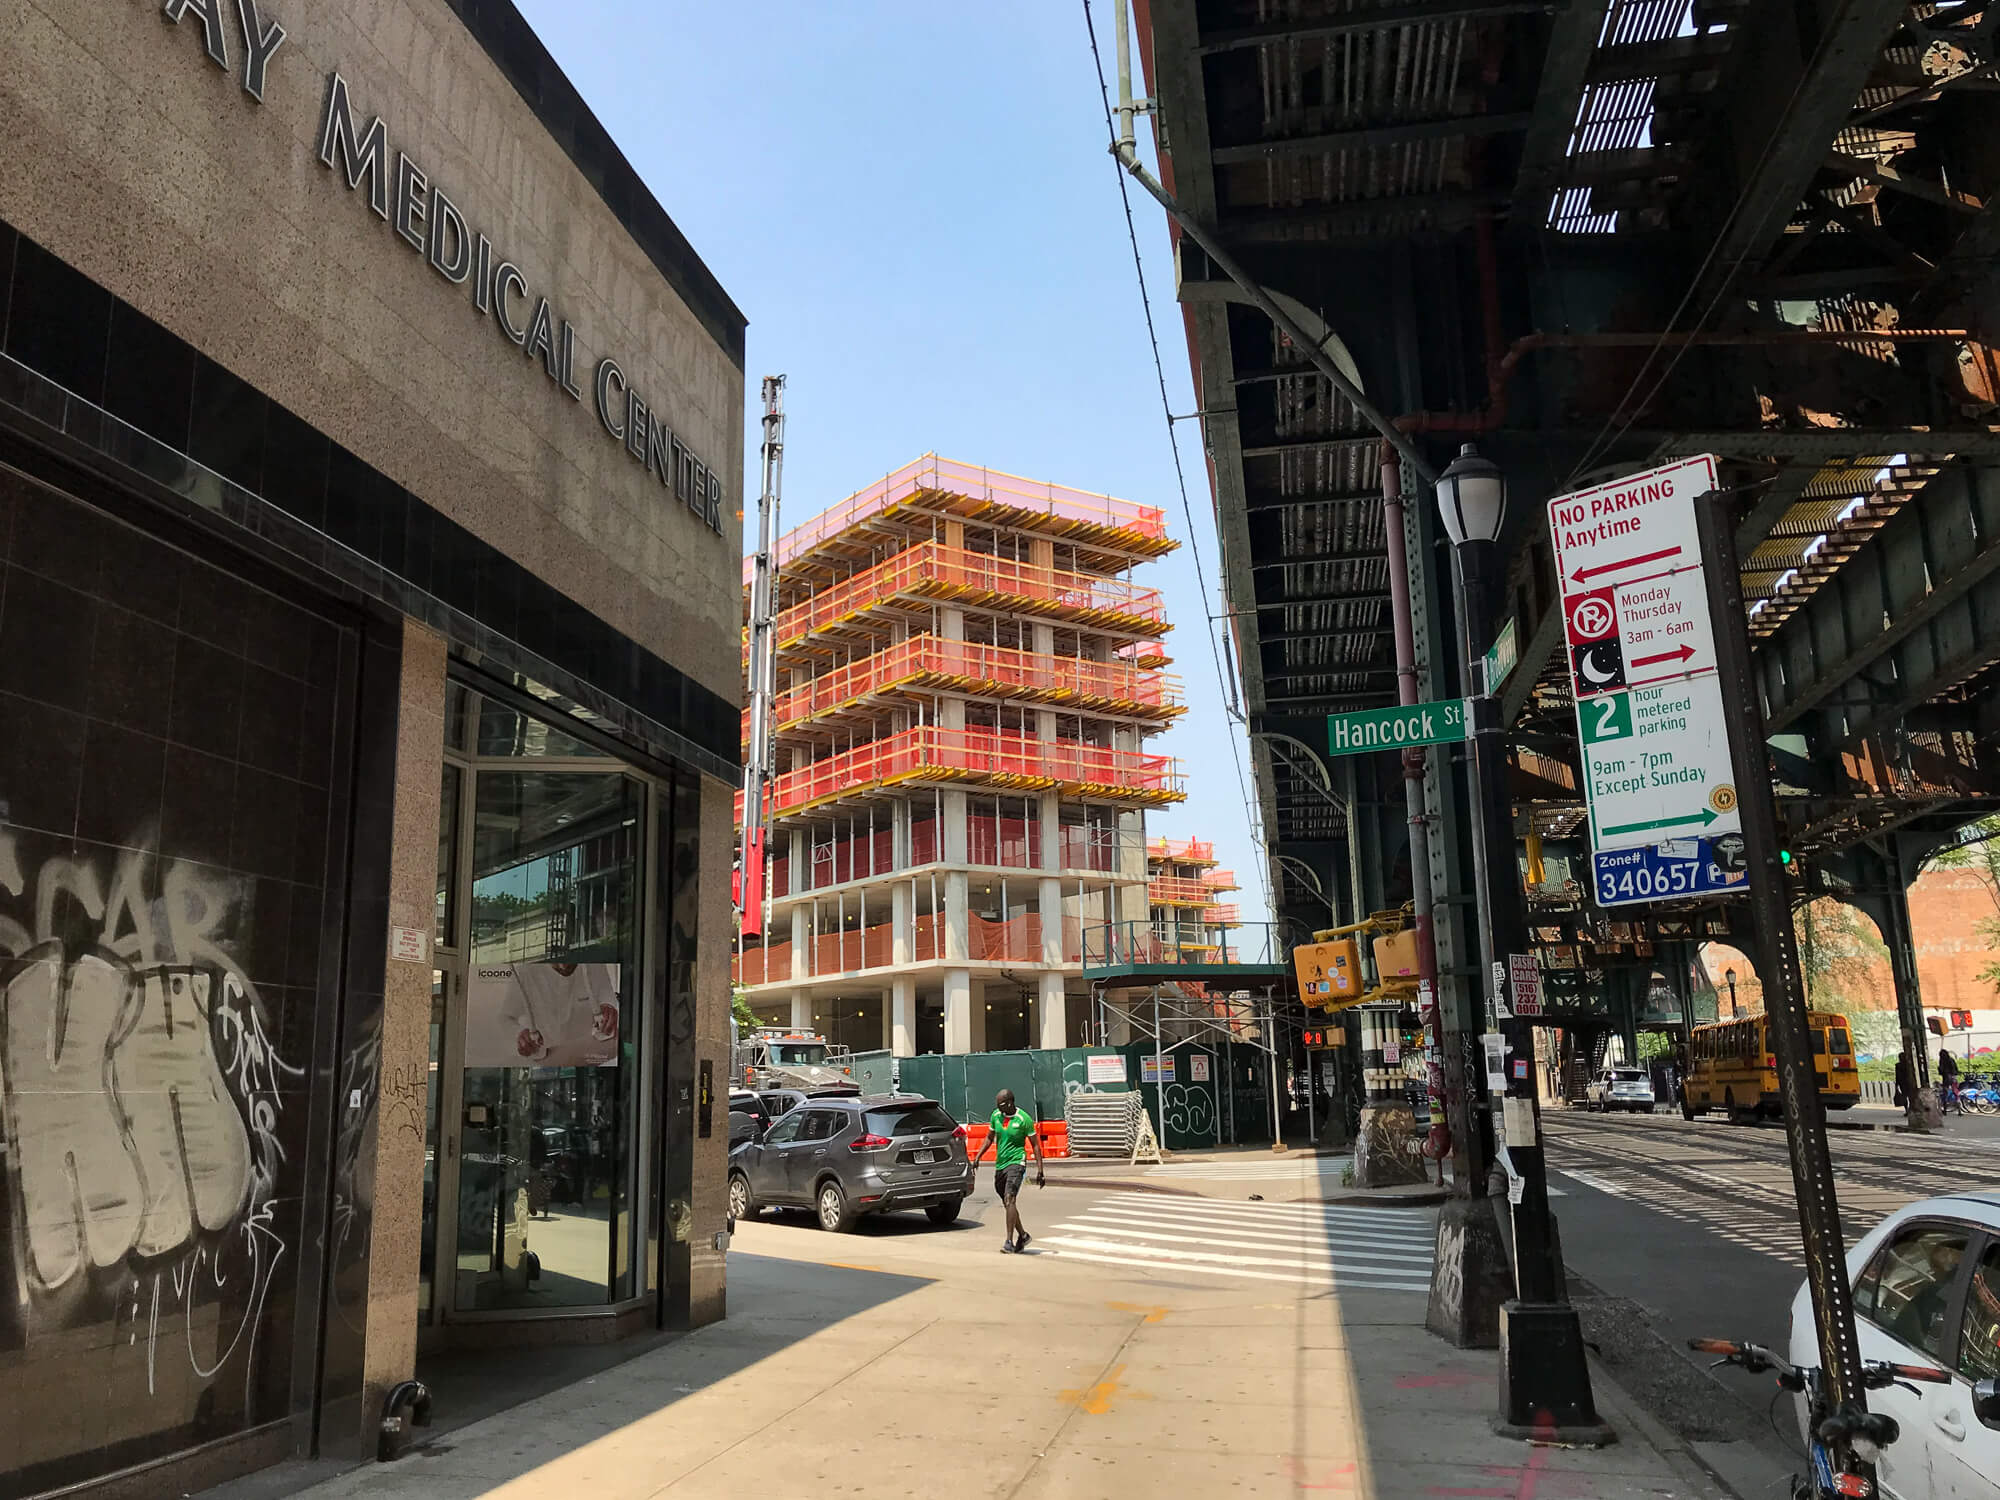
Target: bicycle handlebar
<point>1875,1373</point>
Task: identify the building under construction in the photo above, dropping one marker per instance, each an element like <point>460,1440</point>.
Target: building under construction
<point>965,677</point>
<point>1182,886</point>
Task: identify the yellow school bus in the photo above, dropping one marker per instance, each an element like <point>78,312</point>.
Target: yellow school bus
<point>1733,1068</point>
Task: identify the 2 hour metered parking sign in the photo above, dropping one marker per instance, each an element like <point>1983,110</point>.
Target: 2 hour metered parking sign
<point>1641,649</point>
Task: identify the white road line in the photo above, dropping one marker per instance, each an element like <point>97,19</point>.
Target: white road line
<point>1190,1259</point>
<point>1147,1234</point>
<point>1398,1217</point>
<point>1420,1288</point>
<point>1288,1233</point>
<point>1591,1180</point>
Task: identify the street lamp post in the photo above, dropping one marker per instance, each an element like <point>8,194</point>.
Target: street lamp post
<point>1730,975</point>
<point>1544,1381</point>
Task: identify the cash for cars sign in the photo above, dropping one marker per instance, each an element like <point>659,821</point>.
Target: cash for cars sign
<point>1642,659</point>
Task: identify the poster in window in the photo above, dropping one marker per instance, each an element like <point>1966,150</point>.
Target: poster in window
<point>546,1015</point>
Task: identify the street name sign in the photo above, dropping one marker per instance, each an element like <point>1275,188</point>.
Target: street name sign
<point>1641,648</point>
<point>1367,729</point>
<point>1502,656</point>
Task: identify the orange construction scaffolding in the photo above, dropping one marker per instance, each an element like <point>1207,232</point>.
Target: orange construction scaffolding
<point>930,662</point>
<point>1181,851</point>
<point>935,571</point>
<point>990,757</point>
<point>974,492</point>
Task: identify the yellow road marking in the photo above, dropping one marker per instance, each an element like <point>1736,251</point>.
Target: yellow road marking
<point>1152,1314</point>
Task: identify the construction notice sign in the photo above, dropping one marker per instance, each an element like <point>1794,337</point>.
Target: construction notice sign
<point>1642,661</point>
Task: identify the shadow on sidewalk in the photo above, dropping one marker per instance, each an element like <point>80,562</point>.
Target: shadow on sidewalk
<point>773,1304</point>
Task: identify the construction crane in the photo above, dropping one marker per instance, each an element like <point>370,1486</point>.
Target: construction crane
<point>757,759</point>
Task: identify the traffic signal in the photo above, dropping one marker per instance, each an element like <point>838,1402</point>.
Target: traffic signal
<point>1785,858</point>
<point>1936,1024</point>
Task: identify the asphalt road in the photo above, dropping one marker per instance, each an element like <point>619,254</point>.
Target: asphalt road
<point>1690,1228</point>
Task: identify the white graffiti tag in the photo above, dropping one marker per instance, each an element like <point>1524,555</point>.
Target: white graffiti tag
<point>125,1137</point>
<point>139,1095</point>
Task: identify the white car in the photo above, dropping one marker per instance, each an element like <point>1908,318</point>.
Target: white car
<point>1927,1292</point>
<point>1620,1088</point>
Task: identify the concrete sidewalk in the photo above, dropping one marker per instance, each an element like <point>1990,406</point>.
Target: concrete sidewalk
<point>923,1363</point>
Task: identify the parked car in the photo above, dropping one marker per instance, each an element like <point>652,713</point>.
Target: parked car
<point>743,1128</point>
<point>749,1103</point>
<point>843,1157</point>
<point>1927,1292</point>
<point>780,1102</point>
<point>1620,1088</point>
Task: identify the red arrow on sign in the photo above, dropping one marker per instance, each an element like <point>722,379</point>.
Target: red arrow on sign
<point>1584,575</point>
<point>1681,651</point>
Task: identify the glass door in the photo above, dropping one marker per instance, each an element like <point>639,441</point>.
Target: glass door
<point>533,1144</point>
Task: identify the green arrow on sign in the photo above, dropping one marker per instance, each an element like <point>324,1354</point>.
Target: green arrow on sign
<point>1704,817</point>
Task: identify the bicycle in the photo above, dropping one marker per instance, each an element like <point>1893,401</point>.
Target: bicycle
<point>1980,1094</point>
<point>1836,1440</point>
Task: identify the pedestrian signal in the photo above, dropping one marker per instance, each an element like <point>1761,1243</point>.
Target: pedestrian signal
<point>1936,1024</point>
<point>1961,1020</point>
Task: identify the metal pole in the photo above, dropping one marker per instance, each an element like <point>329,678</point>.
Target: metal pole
<point>1452,1127</point>
<point>752,864</point>
<point>1778,963</point>
<point>1271,1047</point>
<point>1159,1070</point>
<point>1544,1380</point>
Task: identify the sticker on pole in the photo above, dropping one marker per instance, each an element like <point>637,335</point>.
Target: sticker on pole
<point>1524,984</point>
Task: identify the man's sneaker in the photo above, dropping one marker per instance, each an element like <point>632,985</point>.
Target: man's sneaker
<point>1008,1247</point>
<point>1021,1245</point>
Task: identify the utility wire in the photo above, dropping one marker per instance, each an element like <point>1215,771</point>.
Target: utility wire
<point>1224,681</point>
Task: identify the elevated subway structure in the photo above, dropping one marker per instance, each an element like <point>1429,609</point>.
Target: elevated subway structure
<point>1592,238</point>
<point>967,674</point>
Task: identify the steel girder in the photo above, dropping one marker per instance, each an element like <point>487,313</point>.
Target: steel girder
<point>1913,615</point>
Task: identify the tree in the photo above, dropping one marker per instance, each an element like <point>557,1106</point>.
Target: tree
<point>743,1011</point>
<point>1981,854</point>
<point>1838,955</point>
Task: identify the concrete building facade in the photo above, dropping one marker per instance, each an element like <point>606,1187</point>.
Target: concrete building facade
<point>967,674</point>
<point>370,475</point>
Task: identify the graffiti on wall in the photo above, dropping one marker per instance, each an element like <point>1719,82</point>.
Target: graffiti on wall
<point>140,1101</point>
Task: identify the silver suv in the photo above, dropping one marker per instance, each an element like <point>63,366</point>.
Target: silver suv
<point>843,1158</point>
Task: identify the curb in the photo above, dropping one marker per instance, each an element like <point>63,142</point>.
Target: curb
<point>1617,1406</point>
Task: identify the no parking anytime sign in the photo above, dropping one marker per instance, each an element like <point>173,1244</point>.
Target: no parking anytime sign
<point>1655,743</point>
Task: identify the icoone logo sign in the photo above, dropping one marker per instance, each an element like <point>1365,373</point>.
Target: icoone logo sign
<point>426,219</point>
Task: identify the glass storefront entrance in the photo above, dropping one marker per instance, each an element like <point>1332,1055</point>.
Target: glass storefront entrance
<point>543,1037</point>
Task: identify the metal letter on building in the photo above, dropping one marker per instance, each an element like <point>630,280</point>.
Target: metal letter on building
<point>360,156</point>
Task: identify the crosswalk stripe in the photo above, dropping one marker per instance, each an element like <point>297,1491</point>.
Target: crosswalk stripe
<point>1143,1231</point>
<point>1235,1271</point>
<point>1590,1180</point>
<point>1333,1213</point>
<point>1150,1235</point>
<point>1278,1230</point>
<point>1166,1254</point>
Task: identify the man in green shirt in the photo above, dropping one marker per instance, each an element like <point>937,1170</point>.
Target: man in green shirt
<point>1010,1129</point>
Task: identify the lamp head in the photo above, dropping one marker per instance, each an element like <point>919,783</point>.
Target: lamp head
<point>1472,497</point>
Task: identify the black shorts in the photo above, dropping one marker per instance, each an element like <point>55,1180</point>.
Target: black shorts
<point>1007,1181</point>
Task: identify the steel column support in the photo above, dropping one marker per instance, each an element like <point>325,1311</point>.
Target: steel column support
<point>1784,983</point>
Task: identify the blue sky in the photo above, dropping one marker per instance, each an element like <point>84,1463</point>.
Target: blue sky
<point>915,208</point>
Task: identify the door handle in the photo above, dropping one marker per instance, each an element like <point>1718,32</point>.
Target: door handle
<point>1951,1425</point>
<point>820,1152</point>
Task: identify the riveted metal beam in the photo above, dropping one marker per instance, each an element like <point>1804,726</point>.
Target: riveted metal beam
<point>1375,18</point>
<point>1913,615</point>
